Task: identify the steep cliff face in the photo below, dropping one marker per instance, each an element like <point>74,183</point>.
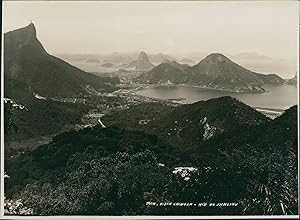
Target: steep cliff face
<point>29,68</point>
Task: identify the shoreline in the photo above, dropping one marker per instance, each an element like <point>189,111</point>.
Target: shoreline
<point>148,86</point>
<point>182,100</point>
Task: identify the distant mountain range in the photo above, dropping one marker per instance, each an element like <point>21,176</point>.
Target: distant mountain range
<point>251,60</point>
<point>30,69</point>
<point>160,57</point>
<point>127,58</point>
<point>215,71</point>
<point>142,62</point>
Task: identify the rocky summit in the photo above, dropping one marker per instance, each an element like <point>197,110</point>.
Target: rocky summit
<point>30,70</point>
<point>142,63</point>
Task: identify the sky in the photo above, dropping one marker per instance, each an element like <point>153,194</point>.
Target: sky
<point>269,28</point>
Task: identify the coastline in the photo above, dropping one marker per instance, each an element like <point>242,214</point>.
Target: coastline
<point>148,86</point>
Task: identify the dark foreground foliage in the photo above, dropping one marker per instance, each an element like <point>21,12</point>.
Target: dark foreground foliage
<point>114,171</point>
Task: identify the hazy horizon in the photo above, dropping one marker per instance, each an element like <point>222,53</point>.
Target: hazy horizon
<point>180,29</point>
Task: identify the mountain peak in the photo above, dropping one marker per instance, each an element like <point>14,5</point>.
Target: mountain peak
<point>142,63</point>
<point>24,37</point>
<point>216,57</point>
<point>27,61</point>
<point>218,71</point>
<point>143,56</point>
<point>28,31</point>
<point>31,28</point>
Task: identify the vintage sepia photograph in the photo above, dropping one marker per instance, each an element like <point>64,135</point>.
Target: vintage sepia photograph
<point>149,108</point>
